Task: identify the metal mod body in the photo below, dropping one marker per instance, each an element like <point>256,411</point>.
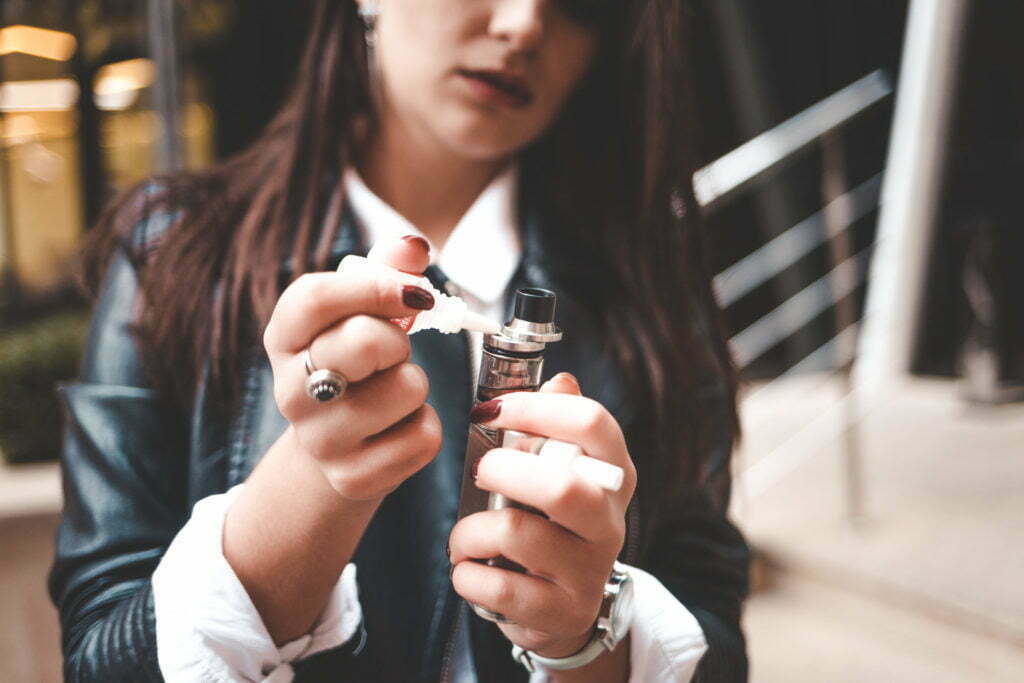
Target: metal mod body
<point>511,360</point>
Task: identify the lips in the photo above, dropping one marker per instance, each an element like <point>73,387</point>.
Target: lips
<point>513,87</point>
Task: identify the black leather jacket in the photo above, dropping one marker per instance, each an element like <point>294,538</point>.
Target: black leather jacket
<point>133,468</point>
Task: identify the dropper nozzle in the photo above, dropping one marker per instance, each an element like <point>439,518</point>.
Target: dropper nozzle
<point>478,323</point>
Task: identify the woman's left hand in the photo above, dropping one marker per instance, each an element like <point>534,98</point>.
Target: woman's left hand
<point>568,557</point>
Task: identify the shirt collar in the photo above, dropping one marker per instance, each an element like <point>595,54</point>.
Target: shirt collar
<point>483,250</point>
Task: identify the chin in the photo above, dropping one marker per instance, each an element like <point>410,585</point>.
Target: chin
<point>484,151</point>
<point>487,140</point>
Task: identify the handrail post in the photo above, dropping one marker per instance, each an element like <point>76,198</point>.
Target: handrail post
<point>163,52</point>
<point>910,190</point>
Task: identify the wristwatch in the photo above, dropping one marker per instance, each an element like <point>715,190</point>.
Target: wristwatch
<point>613,622</point>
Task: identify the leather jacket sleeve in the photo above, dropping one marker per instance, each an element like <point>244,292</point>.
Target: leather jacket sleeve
<point>703,560</point>
<point>124,475</point>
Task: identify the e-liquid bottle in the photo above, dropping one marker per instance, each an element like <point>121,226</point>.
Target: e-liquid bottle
<point>449,315</point>
<point>511,360</point>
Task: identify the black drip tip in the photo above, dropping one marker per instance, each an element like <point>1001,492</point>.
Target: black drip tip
<point>535,305</point>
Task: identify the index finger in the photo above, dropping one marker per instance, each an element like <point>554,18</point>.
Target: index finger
<point>315,301</point>
<point>566,417</point>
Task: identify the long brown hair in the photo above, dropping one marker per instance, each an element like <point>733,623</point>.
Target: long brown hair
<point>613,173</point>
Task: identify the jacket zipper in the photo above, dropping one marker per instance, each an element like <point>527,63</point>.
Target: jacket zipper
<point>449,646</point>
<point>632,531</point>
<point>449,650</point>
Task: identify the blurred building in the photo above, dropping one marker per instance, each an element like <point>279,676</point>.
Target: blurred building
<point>80,113</point>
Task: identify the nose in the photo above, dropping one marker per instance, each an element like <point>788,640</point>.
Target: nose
<point>519,22</point>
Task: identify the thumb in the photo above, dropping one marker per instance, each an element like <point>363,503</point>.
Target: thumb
<point>562,383</point>
<point>409,253</point>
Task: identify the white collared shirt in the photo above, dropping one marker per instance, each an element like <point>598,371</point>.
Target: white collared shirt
<point>488,228</point>
<point>206,625</point>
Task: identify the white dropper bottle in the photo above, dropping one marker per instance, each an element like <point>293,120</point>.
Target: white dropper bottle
<point>450,314</point>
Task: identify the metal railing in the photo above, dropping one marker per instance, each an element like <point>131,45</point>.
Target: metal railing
<point>756,160</point>
<point>877,347</point>
<point>753,160</point>
<point>163,50</point>
<point>741,169</point>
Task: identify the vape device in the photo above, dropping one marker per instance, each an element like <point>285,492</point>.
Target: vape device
<point>511,360</point>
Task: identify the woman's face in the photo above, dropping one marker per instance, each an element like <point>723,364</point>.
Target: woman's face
<point>479,78</point>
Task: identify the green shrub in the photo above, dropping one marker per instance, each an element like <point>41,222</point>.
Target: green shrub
<point>33,358</point>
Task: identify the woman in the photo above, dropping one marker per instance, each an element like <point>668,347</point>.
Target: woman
<point>501,143</point>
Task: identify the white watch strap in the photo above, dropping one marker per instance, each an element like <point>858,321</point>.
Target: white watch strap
<point>606,635</point>
<point>591,651</point>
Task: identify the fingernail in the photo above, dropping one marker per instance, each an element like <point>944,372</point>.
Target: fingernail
<point>486,411</point>
<point>418,241</point>
<point>568,376</point>
<point>476,467</point>
<point>448,552</point>
<point>417,297</point>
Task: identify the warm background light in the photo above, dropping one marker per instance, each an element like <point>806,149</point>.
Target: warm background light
<point>54,94</point>
<point>117,85</point>
<point>38,42</point>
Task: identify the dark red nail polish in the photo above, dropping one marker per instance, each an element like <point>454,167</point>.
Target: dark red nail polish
<point>476,466</point>
<point>486,411</point>
<point>418,241</point>
<point>417,297</point>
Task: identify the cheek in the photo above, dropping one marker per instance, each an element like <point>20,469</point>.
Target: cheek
<point>567,66</point>
<point>480,134</point>
<point>415,48</point>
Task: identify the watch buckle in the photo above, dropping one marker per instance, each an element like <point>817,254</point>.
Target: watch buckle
<point>523,656</point>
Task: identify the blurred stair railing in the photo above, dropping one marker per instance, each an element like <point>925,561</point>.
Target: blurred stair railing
<point>763,263</point>
<point>800,309</point>
<point>920,128</point>
<point>753,162</point>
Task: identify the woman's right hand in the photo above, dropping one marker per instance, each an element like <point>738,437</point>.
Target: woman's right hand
<point>381,431</point>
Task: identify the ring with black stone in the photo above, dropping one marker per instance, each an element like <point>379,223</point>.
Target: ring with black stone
<point>323,385</point>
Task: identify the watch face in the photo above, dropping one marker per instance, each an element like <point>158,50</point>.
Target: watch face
<point>622,608</point>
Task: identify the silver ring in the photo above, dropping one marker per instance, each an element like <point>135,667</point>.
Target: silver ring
<point>491,616</point>
<point>323,385</point>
